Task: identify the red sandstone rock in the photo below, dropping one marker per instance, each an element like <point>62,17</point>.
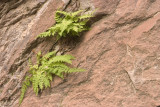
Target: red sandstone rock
<point>121,55</point>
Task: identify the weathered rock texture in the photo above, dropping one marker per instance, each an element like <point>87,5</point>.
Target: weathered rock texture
<point>121,53</point>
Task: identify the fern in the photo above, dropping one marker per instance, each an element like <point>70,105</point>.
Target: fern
<point>26,84</point>
<point>41,73</point>
<point>63,58</point>
<point>67,23</point>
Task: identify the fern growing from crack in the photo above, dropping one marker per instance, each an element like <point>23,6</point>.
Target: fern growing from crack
<point>67,23</point>
<point>42,71</point>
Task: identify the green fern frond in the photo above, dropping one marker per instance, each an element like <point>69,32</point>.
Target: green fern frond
<point>49,76</point>
<point>46,82</point>
<point>30,62</point>
<point>49,55</point>
<point>58,18</point>
<point>58,71</point>
<point>26,84</point>
<point>41,73</point>
<point>67,23</point>
<point>53,30</point>
<point>44,34</point>
<point>62,59</point>
<point>35,82</point>
<point>59,64</point>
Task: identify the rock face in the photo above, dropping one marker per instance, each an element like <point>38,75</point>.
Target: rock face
<point>121,53</point>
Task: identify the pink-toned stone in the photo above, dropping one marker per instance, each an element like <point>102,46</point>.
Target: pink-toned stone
<point>121,55</point>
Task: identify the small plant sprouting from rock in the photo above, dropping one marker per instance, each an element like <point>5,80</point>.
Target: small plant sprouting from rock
<point>68,23</point>
<point>42,71</point>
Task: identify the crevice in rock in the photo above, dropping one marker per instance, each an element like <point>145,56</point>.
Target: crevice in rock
<point>134,87</point>
<point>137,20</point>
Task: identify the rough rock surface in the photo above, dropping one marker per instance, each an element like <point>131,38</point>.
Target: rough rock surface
<point>121,53</point>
